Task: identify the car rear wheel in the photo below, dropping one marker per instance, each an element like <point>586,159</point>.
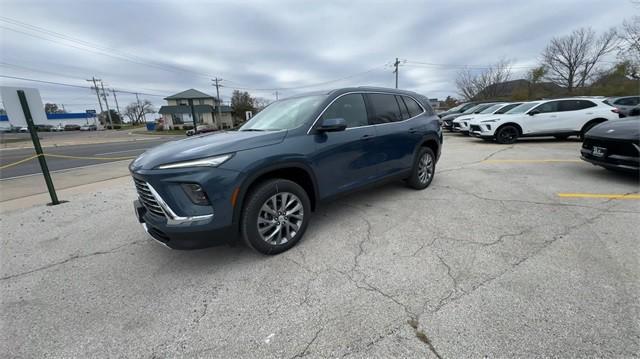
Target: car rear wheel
<point>275,216</point>
<point>424,168</point>
<point>507,134</point>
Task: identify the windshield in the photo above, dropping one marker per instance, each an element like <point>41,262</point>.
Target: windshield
<point>522,108</point>
<point>472,109</point>
<point>491,109</point>
<point>457,108</point>
<point>284,114</point>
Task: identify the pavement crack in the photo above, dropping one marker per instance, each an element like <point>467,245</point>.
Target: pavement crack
<point>70,259</point>
<point>306,348</point>
<point>423,337</point>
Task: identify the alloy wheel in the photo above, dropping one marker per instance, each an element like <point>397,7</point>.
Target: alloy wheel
<point>425,168</point>
<point>280,218</point>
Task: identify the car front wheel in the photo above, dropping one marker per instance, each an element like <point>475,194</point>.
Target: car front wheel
<point>275,216</point>
<point>507,134</point>
<point>424,167</point>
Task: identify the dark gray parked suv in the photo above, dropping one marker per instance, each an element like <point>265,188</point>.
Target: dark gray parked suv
<point>262,182</point>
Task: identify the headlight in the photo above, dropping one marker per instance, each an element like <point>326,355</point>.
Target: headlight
<point>494,120</point>
<point>202,162</point>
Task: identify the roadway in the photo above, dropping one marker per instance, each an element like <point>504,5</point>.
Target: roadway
<point>96,154</point>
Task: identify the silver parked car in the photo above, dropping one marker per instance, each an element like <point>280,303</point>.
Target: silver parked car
<point>624,104</point>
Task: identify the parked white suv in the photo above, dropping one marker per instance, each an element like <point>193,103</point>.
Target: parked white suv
<point>559,118</point>
<point>461,124</point>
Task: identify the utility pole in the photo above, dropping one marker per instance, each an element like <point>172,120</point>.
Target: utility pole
<point>116,99</point>
<point>219,104</point>
<point>141,116</point>
<point>95,87</point>
<point>106,103</point>
<point>396,70</point>
<point>63,109</point>
<point>276,95</point>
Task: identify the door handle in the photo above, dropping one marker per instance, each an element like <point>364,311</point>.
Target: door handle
<point>366,137</point>
<point>413,130</point>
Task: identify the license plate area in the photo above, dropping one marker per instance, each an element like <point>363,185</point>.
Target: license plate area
<point>599,151</point>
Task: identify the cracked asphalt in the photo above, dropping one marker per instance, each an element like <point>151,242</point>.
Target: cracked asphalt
<point>487,262</point>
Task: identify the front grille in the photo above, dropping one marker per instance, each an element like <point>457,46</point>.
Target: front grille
<point>456,125</point>
<point>474,128</point>
<point>146,198</point>
<point>622,148</point>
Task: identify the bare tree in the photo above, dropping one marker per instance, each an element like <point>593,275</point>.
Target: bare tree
<point>629,51</point>
<point>136,112</point>
<point>486,83</point>
<point>572,59</point>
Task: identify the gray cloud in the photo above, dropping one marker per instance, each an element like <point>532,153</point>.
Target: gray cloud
<point>278,44</point>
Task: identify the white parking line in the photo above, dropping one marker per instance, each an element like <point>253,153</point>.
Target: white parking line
<point>123,151</point>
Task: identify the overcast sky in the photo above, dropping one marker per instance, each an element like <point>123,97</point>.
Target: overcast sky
<point>163,47</point>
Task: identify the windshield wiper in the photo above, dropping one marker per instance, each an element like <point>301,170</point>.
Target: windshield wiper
<point>253,129</point>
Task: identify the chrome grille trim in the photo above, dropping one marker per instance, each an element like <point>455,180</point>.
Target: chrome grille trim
<point>155,204</point>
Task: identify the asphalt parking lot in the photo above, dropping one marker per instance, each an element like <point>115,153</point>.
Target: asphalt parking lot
<point>509,253</point>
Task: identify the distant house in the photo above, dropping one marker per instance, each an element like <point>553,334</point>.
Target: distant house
<point>177,112</point>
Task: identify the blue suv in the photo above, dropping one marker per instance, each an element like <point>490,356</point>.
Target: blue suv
<point>262,181</point>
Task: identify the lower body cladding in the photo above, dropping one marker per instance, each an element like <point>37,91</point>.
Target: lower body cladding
<point>170,217</point>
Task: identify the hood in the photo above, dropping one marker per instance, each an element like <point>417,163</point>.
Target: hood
<point>451,116</point>
<point>617,129</point>
<point>206,145</point>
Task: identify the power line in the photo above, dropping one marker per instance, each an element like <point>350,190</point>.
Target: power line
<point>92,47</point>
<point>77,86</point>
<point>458,66</point>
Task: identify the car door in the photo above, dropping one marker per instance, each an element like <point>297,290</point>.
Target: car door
<point>396,136</point>
<point>543,119</point>
<point>345,159</point>
<point>577,113</point>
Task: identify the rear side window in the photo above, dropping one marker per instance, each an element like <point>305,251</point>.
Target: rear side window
<point>350,107</point>
<point>575,105</point>
<point>385,108</point>
<point>628,101</point>
<point>414,108</point>
<point>403,108</point>
<point>506,108</point>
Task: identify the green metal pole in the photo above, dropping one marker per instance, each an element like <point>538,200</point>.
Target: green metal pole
<point>38,148</point>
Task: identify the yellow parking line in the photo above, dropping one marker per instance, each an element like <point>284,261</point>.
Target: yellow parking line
<point>598,195</point>
<point>531,161</point>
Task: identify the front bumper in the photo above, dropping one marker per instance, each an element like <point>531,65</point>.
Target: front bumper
<point>178,238</point>
<point>623,163</point>
<point>170,217</point>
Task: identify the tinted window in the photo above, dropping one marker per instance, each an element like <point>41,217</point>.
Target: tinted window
<point>575,105</point>
<point>284,114</point>
<point>628,101</point>
<point>507,108</point>
<point>403,108</point>
<point>350,107</point>
<point>385,108</point>
<point>551,106</point>
<point>414,108</point>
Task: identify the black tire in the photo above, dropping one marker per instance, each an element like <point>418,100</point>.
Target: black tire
<point>253,209</point>
<point>561,137</point>
<point>424,168</point>
<point>507,135</point>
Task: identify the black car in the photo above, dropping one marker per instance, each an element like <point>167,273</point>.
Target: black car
<point>614,145</point>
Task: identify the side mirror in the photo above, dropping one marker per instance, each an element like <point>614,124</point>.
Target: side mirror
<point>333,125</point>
<point>534,112</point>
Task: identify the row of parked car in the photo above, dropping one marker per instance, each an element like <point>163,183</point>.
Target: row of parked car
<point>608,141</point>
<point>50,128</point>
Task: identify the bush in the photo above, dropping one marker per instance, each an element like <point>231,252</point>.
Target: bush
<point>115,127</point>
<point>159,127</point>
